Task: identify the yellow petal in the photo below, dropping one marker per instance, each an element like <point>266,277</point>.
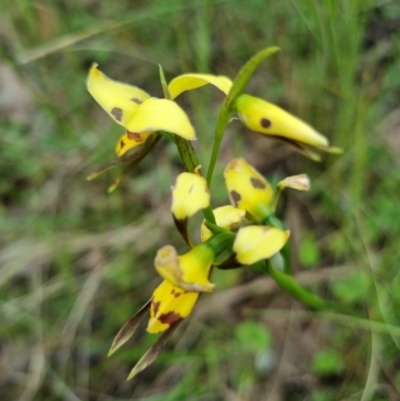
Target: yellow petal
<point>187,82</point>
<point>254,243</point>
<point>189,272</point>
<point>129,141</point>
<point>266,118</point>
<point>189,195</point>
<point>161,115</point>
<point>247,188</point>
<point>119,100</point>
<point>169,305</point>
<point>226,217</point>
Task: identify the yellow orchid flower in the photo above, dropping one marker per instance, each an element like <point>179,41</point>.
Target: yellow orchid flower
<point>254,243</point>
<point>250,191</point>
<point>247,188</point>
<point>189,195</point>
<point>266,118</point>
<point>226,217</point>
<point>189,271</point>
<point>139,113</point>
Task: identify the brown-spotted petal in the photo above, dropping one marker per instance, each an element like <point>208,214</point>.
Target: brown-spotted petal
<point>247,188</point>
<point>267,118</point>
<point>119,100</point>
<point>169,305</point>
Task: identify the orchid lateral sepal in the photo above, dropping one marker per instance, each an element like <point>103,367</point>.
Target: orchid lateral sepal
<point>152,353</point>
<point>137,156</point>
<point>129,328</point>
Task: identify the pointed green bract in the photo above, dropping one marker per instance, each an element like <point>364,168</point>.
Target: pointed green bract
<point>246,72</point>
<point>225,112</point>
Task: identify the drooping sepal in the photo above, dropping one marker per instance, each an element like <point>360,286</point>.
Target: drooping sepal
<point>128,329</point>
<point>152,353</point>
<point>266,118</point>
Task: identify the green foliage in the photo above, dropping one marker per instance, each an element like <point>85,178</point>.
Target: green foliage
<point>253,336</point>
<point>354,288</point>
<point>327,362</point>
<point>308,253</point>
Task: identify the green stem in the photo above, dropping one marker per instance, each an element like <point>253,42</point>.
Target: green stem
<point>186,150</point>
<point>289,284</point>
<point>226,110</point>
<point>222,122</point>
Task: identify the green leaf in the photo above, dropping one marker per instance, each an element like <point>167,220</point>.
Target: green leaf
<point>253,336</point>
<point>327,362</point>
<point>246,72</point>
<point>309,254</point>
<point>353,288</point>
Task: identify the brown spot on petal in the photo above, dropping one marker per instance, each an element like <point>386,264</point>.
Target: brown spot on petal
<point>134,136</point>
<point>265,123</point>
<point>156,307</point>
<point>176,294</point>
<point>122,144</point>
<point>235,196</point>
<point>135,100</point>
<point>257,183</point>
<point>169,318</point>
<point>117,113</point>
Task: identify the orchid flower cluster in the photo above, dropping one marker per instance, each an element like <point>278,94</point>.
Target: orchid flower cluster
<point>244,233</point>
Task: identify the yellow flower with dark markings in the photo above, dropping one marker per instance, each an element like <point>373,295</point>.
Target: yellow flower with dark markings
<point>266,118</point>
<point>189,195</point>
<point>140,114</point>
<point>248,189</point>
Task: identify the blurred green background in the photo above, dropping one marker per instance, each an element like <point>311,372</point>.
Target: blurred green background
<point>76,262</point>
